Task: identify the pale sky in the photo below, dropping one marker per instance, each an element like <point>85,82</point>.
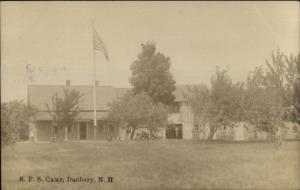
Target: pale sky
<point>197,36</point>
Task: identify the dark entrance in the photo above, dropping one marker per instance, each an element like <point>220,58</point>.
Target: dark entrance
<point>83,130</point>
<point>173,130</point>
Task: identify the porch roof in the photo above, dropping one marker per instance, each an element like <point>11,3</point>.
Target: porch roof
<point>88,115</point>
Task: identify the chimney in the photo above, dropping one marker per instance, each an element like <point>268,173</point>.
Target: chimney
<point>97,83</point>
<point>68,83</point>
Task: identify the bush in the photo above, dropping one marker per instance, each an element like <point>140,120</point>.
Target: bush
<point>15,117</point>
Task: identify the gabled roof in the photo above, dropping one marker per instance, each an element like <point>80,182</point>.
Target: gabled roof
<point>39,95</point>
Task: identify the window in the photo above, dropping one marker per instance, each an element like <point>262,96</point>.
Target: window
<point>70,128</point>
<point>111,128</point>
<point>106,128</point>
<point>100,126</point>
<point>196,127</point>
<point>52,129</point>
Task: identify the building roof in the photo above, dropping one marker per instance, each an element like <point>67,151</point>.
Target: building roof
<point>40,95</point>
<point>87,115</point>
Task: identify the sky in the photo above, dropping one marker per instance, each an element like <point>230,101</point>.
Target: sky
<point>55,39</point>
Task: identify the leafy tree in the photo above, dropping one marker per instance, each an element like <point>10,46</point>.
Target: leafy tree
<point>297,91</point>
<point>270,92</point>
<point>219,106</point>
<point>263,105</point>
<point>225,100</point>
<point>64,110</point>
<point>280,75</point>
<point>29,112</point>
<point>265,100</point>
<point>15,116</point>
<point>136,111</point>
<point>150,74</point>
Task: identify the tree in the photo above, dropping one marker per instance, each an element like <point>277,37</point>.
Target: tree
<point>297,91</point>
<point>225,100</point>
<point>150,74</point>
<point>219,106</point>
<point>270,92</point>
<point>280,75</point>
<point>64,110</point>
<point>15,116</point>
<point>136,111</point>
<point>263,105</point>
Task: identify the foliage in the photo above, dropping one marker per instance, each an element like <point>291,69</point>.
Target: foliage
<point>297,91</point>
<point>15,117</point>
<point>270,92</point>
<point>269,97</point>
<point>150,74</point>
<point>263,105</point>
<point>136,111</point>
<point>218,106</point>
<point>64,110</point>
<point>280,76</point>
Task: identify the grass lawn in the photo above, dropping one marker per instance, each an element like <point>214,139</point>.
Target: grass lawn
<point>165,164</point>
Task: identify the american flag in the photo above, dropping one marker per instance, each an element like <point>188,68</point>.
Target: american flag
<point>99,44</point>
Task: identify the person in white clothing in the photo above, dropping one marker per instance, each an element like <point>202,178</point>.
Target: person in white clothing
<point>32,130</point>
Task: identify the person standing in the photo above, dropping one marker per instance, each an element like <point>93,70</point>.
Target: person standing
<point>176,132</point>
<point>32,130</point>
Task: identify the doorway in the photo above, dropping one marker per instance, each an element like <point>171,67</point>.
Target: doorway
<point>174,131</point>
<point>83,130</point>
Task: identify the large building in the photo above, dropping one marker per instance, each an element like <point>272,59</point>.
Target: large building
<point>83,129</point>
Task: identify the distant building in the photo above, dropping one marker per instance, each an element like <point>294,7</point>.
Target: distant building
<point>83,129</point>
<point>181,124</point>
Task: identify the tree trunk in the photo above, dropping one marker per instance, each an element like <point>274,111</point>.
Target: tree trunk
<point>132,133</point>
<point>255,132</point>
<point>212,132</point>
<point>66,133</point>
<point>56,134</point>
<point>210,136</point>
<point>151,134</point>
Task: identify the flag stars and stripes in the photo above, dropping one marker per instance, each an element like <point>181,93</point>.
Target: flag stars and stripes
<point>99,45</point>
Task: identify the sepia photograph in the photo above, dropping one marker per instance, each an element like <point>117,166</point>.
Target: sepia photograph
<point>138,95</point>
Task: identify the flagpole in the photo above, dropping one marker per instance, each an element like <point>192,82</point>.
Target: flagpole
<point>94,87</point>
